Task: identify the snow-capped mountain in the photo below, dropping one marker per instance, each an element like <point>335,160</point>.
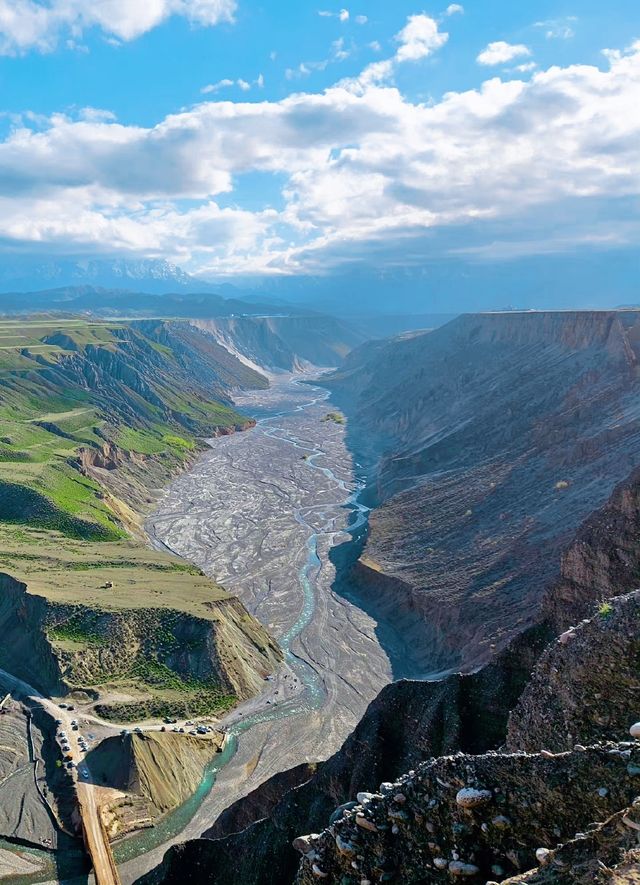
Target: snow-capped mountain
<point>155,276</point>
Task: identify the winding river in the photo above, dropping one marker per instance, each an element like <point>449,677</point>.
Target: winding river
<point>261,512</point>
<point>292,481</point>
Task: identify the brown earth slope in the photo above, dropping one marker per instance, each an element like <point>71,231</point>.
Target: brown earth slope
<point>490,441</point>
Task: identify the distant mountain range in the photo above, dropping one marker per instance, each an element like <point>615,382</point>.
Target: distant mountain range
<point>30,274</point>
<point>590,279</point>
<point>120,302</point>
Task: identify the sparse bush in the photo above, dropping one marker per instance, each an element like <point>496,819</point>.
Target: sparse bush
<point>605,610</point>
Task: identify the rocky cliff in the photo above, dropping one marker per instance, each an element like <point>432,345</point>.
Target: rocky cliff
<point>285,342</point>
<point>153,773</point>
<point>490,441</point>
<point>163,660</point>
<point>496,815</point>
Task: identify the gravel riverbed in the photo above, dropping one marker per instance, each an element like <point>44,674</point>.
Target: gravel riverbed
<point>260,513</point>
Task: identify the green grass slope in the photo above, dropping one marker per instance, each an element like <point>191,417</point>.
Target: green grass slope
<point>93,418</point>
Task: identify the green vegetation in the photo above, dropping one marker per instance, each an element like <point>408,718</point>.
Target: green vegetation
<point>93,415</point>
<point>605,610</point>
<point>73,385</point>
<point>76,630</point>
<point>336,417</point>
<point>204,703</point>
<point>74,571</point>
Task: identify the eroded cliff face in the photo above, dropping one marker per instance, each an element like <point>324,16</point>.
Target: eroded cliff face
<point>495,815</point>
<point>25,651</point>
<point>490,440</point>
<point>585,685</point>
<point>152,773</point>
<point>287,343</point>
<point>59,648</point>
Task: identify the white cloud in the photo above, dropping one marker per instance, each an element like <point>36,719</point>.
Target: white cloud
<point>454,9</point>
<point>526,67</point>
<point>216,87</point>
<point>27,24</point>
<point>361,19</point>
<point>343,14</point>
<point>419,38</point>
<point>337,54</point>
<point>375,46</point>
<point>242,84</point>
<point>367,174</point>
<point>558,28</point>
<point>499,53</point>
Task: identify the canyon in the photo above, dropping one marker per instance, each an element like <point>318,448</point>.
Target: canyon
<point>501,455</point>
<point>419,548</point>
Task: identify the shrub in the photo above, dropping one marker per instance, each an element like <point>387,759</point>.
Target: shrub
<point>605,609</point>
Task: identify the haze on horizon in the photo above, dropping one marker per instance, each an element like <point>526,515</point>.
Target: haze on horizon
<point>444,157</point>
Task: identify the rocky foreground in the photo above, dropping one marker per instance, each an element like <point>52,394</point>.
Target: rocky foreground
<point>562,811</point>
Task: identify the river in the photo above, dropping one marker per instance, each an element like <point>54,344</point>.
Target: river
<point>260,512</point>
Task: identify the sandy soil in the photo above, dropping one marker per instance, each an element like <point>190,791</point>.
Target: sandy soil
<point>247,513</point>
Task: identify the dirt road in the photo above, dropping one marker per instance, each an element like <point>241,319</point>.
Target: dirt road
<point>96,840</point>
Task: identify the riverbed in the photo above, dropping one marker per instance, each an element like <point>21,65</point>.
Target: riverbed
<point>260,513</point>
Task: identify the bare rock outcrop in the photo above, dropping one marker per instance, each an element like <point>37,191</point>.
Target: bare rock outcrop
<point>585,685</point>
<point>420,829</point>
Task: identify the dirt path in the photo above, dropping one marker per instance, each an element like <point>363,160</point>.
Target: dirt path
<point>96,840</point>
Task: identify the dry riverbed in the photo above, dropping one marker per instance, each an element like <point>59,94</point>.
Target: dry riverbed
<point>260,513</point>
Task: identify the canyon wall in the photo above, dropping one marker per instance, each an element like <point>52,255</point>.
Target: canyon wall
<point>489,442</point>
<point>288,343</point>
<point>503,455</point>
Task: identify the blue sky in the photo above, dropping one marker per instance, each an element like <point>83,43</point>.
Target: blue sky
<point>240,138</point>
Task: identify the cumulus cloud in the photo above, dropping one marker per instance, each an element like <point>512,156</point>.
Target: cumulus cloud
<point>419,39</point>
<point>27,24</point>
<point>454,9</point>
<point>367,174</point>
<point>500,53</point>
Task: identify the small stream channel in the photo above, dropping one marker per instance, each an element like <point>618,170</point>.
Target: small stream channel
<point>313,695</point>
